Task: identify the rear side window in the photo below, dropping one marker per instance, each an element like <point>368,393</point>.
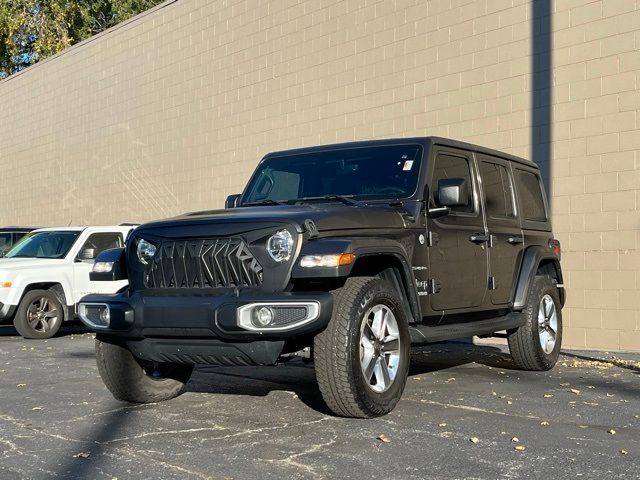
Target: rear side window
<point>531,196</point>
<point>452,166</point>
<point>497,189</point>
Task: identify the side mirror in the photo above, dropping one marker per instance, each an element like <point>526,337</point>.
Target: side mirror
<point>232,201</point>
<point>109,266</point>
<point>452,192</point>
<point>87,254</point>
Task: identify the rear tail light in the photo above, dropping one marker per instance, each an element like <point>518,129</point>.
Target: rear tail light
<point>555,246</point>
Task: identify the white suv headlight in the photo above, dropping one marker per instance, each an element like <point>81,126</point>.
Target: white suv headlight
<point>280,246</point>
<point>146,251</point>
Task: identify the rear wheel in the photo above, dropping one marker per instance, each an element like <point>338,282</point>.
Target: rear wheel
<point>362,357</point>
<point>130,380</point>
<point>39,314</point>
<point>536,345</point>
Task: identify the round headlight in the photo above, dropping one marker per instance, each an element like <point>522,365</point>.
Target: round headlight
<point>280,246</point>
<point>146,251</point>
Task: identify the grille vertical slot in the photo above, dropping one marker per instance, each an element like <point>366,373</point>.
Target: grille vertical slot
<point>203,263</point>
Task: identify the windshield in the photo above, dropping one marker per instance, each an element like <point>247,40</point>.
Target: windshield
<point>362,173</point>
<point>44,245</point>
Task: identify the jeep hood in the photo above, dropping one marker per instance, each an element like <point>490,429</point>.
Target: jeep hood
<point>326,217</point>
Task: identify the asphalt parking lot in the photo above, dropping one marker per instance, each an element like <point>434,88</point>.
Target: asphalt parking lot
<point>466,413</point>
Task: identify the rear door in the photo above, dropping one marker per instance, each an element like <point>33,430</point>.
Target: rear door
<point>506,238</point>
<point>458,241</point>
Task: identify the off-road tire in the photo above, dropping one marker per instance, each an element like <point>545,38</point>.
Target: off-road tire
<point>127,379</point>
<point>336,351</point>
<point>524,342</point>
<point>21,321</point>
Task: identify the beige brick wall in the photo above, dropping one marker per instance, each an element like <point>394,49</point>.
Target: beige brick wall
<point>170,113</point>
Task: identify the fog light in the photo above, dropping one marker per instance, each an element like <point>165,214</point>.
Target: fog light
<point>105,315</point>
<point>95,315</point>
<point>262,316</point>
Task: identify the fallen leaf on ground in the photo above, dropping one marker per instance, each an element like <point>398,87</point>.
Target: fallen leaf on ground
<point>544,423</point>
<point>611,431</point>
<point>509,402</point>
<point>515,440</point>
<point>548,395</point>
<point>82,455</point>
<point>610,395</point>
<point>442,424</point>
<point>576,391</point>
<point>623,452</point>
<point>21,385</point>
<point>474,440</point>
<point>519,448</point>
<point>383,438</point>
<point>36,408</point>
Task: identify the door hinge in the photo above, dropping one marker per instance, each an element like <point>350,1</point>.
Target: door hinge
<point>433,286</point>
<point>492,283</point>
<point>432,239</point>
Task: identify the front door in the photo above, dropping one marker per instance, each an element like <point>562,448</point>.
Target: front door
<point>507,241</point>
<point>95,244</point>
<point>458,241</point>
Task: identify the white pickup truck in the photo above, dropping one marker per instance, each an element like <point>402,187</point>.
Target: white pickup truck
<point>43,277</point>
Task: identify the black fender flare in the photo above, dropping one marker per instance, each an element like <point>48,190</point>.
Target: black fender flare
<point>533,257</point>
<point>363,248</point>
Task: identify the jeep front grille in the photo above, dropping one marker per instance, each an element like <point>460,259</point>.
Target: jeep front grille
<point>211,263</point>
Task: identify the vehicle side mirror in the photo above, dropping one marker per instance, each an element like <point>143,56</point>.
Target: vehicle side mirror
<point>232,201</point>
<point>452,192</point>
<point>109,266</point>
<point>87,254</point>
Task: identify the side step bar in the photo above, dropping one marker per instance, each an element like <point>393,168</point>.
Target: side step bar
<point>421,334</point>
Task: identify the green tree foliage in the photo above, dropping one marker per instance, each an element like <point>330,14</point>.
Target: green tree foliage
<point>31,30</point>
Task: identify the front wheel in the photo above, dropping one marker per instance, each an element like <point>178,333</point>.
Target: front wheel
<point>132,381</point>
<point>362,357</point>
<point>39,314</point>
<point>536,344</point>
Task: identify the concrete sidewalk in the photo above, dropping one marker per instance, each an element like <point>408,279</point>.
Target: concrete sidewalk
<point>580,419</point>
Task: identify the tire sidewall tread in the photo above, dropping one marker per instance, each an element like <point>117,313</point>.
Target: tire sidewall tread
<point>337,354</point>
<point>524,342</point>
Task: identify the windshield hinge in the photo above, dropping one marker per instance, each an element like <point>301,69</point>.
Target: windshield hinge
<point>310,227</point>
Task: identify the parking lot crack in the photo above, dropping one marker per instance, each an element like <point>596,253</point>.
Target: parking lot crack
<point>165,432</point>
<point>292,460</point>
<point>140,455</point>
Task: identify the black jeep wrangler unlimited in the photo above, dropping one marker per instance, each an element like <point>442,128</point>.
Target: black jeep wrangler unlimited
<point>347,254</point>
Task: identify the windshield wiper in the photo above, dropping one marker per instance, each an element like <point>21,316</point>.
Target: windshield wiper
<point>346,199</point>
<point>266,201</point>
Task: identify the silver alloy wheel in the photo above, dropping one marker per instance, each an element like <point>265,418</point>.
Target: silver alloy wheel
<point>547,324</point>
<point>42,315</point>
<point>379,347</point>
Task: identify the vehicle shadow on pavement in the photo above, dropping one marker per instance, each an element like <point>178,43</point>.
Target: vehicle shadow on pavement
<point>68,328</point>
<point>299,378</point>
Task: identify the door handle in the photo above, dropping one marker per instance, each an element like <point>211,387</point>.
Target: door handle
<point>479,238</point>
<point>515,239</point>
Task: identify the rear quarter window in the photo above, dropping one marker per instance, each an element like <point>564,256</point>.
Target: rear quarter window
<point>531,196</point>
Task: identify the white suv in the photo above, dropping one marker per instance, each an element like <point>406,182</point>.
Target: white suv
<point>43,277</point>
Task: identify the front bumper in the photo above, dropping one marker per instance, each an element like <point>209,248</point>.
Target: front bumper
<point>194,326</point>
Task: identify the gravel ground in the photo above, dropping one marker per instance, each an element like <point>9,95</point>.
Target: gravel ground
<point>464,413</point>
